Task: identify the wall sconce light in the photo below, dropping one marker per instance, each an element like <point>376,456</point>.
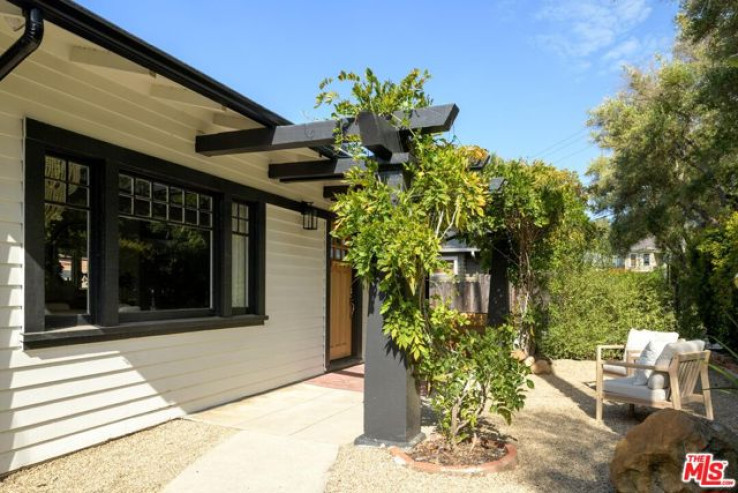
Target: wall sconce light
<point>309,216</point>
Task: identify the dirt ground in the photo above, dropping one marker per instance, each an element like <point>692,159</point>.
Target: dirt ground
<point>141,462</point>
<point>560,447</point>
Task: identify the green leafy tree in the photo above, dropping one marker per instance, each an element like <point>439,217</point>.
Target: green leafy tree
<point>672,164</point>
<point>535,220</point>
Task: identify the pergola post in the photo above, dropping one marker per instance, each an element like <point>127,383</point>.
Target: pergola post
<point>391,397</point>
<point>498,309</point>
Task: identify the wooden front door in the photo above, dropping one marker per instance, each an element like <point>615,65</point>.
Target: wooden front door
<point>341,305</point>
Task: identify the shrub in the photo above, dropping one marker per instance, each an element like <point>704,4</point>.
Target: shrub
<point>590,306</point>
<point>469,372</point>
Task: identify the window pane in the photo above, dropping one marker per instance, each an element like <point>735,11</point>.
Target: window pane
<point>175,195</point>
<point>143,188</point>
<point>78,174</point>
<point>240,271</point>
<point>78,195</point>
<point>206,203</point>
<point>159,211</point>
<point>163,266</point>
<point>125,184</point>
<point>160,192</point>
<point>143,208</point>
<point>66,263</point>
<point>205,219</point>
<point>125,205</point>
<point>55,191</point>
<point>191,200</point>
<point>190,216</point>
<point>175,214</point>
<point>55,168</point>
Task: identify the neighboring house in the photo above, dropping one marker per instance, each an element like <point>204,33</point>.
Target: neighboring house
<point>644,256</point>
<point>464,284</point>
<point>462,260</point>
<point>140,279</point>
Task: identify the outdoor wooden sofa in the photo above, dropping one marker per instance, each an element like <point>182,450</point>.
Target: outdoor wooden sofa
<point>634,345</point>
<point>683,371</point>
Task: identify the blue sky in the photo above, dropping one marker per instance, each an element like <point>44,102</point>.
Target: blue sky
<point>523,72</point>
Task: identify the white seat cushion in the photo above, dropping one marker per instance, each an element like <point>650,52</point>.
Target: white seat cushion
<point>617,370</point>
<point>626,387</point>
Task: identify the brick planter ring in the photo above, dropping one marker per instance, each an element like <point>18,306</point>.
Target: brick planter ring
<point>506,463</point>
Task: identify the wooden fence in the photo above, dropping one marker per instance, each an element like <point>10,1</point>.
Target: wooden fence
<point>469,295</point>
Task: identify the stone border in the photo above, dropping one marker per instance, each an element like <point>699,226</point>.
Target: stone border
<point>506,463</point>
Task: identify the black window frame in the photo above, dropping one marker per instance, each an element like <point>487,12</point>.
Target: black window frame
<point>106,161</point>
<point>252,260</point>
<point>182,313</point>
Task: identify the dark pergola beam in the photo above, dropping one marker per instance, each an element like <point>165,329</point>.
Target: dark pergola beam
<point>433,119</point>
<point>329,169</point>
<point>330,192</point>
<point>379,135</point>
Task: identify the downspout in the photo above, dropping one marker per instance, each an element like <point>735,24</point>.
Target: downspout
<point>25,45</point>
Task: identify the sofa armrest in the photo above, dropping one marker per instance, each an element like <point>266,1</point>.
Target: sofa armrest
<point>634,365</point>
<point>601,347</point>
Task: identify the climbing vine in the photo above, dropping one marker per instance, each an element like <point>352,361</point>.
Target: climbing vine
<point>394,232</point>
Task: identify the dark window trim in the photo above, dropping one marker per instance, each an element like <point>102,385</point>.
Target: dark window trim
<point>107,160</point>
<point>90,334</point>
<point>253,258</point>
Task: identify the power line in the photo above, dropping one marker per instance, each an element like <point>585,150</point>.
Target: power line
<point>587,147</point>
<point>556,144</point>
<point>561,148</point>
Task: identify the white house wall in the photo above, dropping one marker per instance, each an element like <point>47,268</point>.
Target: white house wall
<point>57,400</point>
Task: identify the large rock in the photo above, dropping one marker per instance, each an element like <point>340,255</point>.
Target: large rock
<point>519,354</point>
<point>651,456</point>
<point>541,367</point>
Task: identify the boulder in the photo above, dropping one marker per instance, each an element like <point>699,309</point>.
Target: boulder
<point>529,361</point>
<point>541,367</point>
<point>518,354</point>
<point>651,456</point>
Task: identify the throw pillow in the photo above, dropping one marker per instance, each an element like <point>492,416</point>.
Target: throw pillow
<point>650,354</point>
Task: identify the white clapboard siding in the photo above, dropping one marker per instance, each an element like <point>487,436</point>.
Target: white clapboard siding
<point>57,400</point>
<point>61,93</point>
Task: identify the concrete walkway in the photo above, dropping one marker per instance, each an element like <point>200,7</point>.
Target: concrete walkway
<point>289,439</point>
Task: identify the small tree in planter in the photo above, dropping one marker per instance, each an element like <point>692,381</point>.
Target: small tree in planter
<point>394,236</point>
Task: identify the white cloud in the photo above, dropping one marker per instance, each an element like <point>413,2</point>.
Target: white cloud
<point>594,32</point>
<point>622,50</point>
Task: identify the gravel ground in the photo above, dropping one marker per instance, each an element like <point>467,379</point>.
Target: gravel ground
<point>560,447</point>
<point>142,462</point>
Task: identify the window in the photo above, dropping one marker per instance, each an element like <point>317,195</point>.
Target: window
<point>633,261</point>
<point>451,268</point>
<point>339,249</point>
<point>66,239</point>
<point>646,259</point>
<point>240,258</point>
<point>165,247</point>
<point>121,244</point>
